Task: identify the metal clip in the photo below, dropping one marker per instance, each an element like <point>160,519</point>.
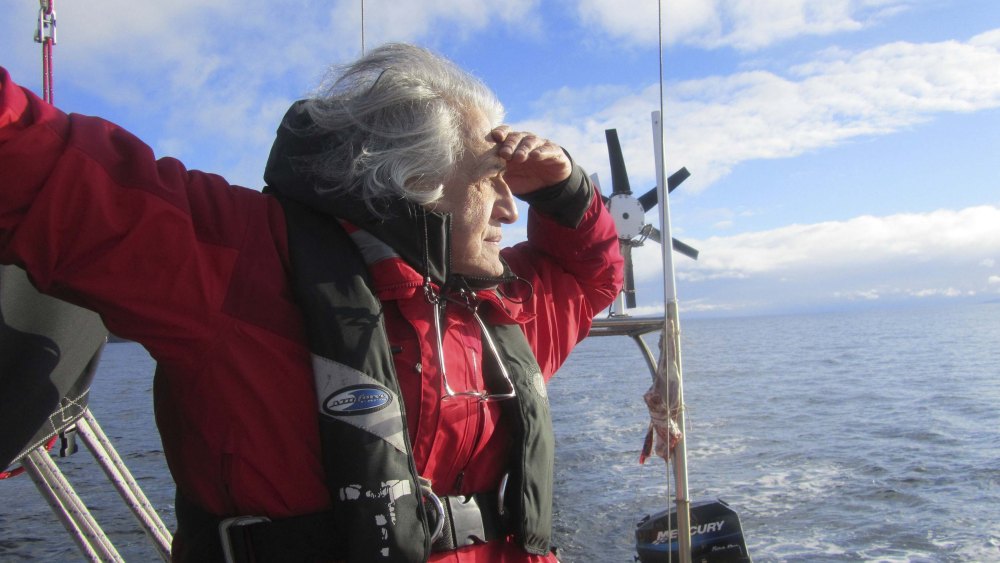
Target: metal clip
<point>429,294</point>
<point>428,493</point>
<point>466,520</point>
<point>502,494</point>
<point>225,533</point>
<point>46,32</point>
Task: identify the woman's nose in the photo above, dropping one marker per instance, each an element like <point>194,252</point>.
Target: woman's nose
<point>505,206</point>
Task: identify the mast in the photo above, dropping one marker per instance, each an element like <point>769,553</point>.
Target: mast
<point>671,341</point>
<point>671,349</point>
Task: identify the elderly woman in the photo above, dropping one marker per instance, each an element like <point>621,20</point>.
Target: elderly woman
<point>349,366</point>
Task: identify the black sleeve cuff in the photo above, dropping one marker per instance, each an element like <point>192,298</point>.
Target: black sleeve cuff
<point>565,202</point>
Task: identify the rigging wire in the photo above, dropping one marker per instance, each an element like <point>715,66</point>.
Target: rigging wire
<point>362,28</point>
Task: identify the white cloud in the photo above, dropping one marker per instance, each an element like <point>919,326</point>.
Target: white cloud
<point>862,294</point>
<point>717,122</point>
<point>389,20</point>
<point>721,121</point>
<point>243,62</point>
<point>694,306</point>
<point>753,24</point>
<point>740,24</point>
<point>647,310</point>
<point>963,236</point>
<point>865,259</point>
<point>187,34</point>
<point>218,76</point>
<point>636,23</point>
<point>940,292</point>
<point>875,294</point>
<point>224,72</point>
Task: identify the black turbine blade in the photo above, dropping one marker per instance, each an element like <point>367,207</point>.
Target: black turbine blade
<point>619,176</point>
<point>650,198</point>
<point>629,288</point>
<point>676,178</point>
<point>686,250</point>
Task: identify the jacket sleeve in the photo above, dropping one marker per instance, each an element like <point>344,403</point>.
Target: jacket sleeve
<point>96,220</point>
<point>573,264</point>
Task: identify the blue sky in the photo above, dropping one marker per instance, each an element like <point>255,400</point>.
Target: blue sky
<point>843,153</point>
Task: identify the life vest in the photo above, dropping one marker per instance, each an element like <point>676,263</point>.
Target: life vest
<point>367,457</point>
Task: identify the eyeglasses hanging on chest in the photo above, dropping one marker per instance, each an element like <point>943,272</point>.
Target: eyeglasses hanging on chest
<point>488,344</point>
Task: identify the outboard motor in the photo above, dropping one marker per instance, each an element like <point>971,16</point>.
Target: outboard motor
<point>716,535</point>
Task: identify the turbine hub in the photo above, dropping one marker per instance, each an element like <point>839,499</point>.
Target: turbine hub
<point>628,215</point>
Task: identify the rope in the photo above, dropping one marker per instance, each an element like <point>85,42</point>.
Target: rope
<point>46,35</point>
<point>11,473</point>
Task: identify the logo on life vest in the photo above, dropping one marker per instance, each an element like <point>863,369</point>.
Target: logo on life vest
<point>357,399</point>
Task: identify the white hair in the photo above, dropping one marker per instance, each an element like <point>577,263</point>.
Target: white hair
<point>399,117</point>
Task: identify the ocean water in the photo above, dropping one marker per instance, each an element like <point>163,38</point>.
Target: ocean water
<point>861,436</point>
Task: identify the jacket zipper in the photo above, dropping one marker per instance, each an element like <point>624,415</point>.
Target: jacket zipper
<point>482,411</point>
<point>400,285</point>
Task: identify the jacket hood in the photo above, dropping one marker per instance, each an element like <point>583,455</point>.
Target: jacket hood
<point>421,237</point>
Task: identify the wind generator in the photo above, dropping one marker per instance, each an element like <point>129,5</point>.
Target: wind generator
<point>706,531</point>
<point>629,213</point>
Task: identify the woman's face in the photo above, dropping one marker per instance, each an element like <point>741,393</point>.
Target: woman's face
<point>480,203</point>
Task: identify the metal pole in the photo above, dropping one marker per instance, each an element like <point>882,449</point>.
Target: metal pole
<point>671,345</point>
<point>120,476</point>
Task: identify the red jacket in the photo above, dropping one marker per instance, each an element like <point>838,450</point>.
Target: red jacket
<point>196,271</point>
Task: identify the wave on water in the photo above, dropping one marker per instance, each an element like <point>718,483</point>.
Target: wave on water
<point>863,436</point>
